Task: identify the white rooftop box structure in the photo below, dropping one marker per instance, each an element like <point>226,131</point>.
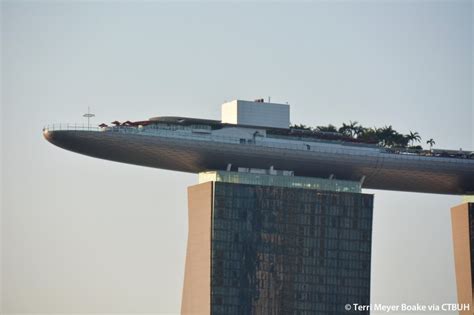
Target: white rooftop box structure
<point>256,113</point>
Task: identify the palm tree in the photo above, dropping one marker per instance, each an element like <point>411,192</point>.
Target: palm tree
<point>328,128</point>
<point>414,136</point>
<point>431,142</point>
<point>345,130</point>
<point>301,127</point>
<point>400,140</point>
<point>353,125</point>
<point>359,130</point>
<point>368,134</point>
<point>351,129</point>
<point>387,135</point>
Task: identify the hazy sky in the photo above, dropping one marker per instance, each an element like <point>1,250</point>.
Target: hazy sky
<point>84,235</point>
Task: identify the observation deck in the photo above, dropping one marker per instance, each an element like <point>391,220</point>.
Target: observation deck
<point>204,145</point>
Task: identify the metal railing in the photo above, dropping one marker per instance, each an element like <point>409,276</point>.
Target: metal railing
<point>73,126</point>
<point>188,134</point>
<point>316,146</point>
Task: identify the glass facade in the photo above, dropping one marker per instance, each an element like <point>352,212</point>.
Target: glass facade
<point>468,199</point>
<point>278,250</point>
<point>280,181</point>
<point>470,210</point>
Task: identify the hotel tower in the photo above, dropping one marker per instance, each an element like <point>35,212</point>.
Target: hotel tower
<point>278,223</point>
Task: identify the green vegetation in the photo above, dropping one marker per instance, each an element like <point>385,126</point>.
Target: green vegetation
<point>385,136</point>
<point>431,142</point>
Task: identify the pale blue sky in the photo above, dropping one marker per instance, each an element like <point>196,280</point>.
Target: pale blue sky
<point>85,235</point>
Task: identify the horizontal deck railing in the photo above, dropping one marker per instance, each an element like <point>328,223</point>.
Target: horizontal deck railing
<point>66,126</point>
<point>185,134</point>
<point>324,146</point>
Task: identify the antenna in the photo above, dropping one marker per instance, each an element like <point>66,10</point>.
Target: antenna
<point>88,115</point>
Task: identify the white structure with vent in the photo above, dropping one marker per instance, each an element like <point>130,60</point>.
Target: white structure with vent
<point>258,113</point>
